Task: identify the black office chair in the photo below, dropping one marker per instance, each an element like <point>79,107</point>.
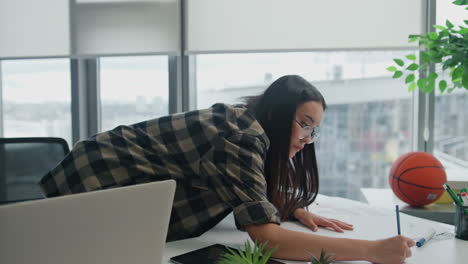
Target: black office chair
<point>23,162</point>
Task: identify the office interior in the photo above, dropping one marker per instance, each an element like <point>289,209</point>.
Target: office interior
<point>71,69</point>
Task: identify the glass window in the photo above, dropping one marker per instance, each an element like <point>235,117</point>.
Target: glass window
<point>133,89</point>
<point>451,116</point>
<point>366,126</point>
<point>36,98</point>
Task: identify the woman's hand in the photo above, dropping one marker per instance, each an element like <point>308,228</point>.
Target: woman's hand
<point>391,250</point>
<point>313,221</point>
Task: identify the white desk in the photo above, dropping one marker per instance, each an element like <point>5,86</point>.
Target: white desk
<point>385,198</point>
<point>369,223</point>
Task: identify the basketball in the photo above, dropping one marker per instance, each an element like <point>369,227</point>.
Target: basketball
<point>416,178</point>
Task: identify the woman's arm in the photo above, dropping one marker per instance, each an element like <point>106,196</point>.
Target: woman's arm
<point>294,245</point>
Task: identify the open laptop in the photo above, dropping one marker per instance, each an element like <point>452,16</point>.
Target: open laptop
<point>119,226</point>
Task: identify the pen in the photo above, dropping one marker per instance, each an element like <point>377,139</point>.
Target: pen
<point>452,194</point>
<point>397,211</point>
<point>426,237</point>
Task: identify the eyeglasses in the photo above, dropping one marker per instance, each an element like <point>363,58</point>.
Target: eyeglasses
<point>307,131</point>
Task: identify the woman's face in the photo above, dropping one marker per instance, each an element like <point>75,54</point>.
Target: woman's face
<point>307,114</point>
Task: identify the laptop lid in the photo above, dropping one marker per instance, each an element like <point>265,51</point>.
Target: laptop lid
<point>119,226</point>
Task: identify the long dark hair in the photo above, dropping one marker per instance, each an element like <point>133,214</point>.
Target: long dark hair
<point>294,183</point>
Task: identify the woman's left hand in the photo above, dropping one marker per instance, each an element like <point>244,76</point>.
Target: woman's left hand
<point>314,221</point>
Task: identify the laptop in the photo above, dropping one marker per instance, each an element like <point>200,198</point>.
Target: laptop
<point>119,226</point>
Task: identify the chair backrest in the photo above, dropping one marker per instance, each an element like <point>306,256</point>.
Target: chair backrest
<point>23,162</point>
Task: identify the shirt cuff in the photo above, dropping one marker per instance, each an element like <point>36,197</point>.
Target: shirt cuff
<point>256,212</point>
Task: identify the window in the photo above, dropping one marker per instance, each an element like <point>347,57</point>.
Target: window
<point>133,89</point>
<point>451,117</point>
<point>366,127</point>
<point>36,98</point>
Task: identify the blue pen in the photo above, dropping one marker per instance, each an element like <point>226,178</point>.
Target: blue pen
<point>397,211</point>
<point>426,237</point>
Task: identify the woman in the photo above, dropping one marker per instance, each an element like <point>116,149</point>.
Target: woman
<point>251,160</point>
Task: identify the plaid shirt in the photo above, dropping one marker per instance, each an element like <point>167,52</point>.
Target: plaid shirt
<point>215,155</point>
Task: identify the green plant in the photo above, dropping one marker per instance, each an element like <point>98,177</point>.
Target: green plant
<point>252,255</point>
<point>446,48</point>
<point>324,258</point>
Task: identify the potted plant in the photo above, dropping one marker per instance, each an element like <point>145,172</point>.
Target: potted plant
<point>253,255</point>
<point>447,49</point>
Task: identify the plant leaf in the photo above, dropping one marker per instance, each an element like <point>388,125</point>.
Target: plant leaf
<point>430,86</point>
<point>248,250</point>
<point>412,39</point>
<point>447,64</point>
<point>448,24</point>
<point>460,2</point>
<point>411,57</point>
<point>422,84</point>
<point>409,78</point>
<point>465,78</point>
<point>411,87</point>
<point>399,62</point>
<point>440,27</point>
<point>397,74</point>
<point>267,256</point>
<point>457,73</point>
<point>425,57</point>
<point>392,68</point>
<point>433,35</point>
<point>413,67</point>
<point>432,76</point>
<point>442,86</point>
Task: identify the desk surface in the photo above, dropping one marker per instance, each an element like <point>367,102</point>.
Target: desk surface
<point>369,223</point>
<point>385,198</point>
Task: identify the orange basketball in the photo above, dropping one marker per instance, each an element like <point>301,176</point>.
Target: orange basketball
<point>417,177</point>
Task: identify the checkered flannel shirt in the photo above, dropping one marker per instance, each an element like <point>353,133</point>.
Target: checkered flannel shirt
<point>215,155</point>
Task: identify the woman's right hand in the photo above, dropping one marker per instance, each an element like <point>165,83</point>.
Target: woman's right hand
<point>392,250</point>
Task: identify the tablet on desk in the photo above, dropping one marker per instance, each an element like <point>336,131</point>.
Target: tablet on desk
<point>207,255</point>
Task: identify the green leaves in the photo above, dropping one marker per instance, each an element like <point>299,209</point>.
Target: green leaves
<point>449,24</point>
<point>457,74</point>
<point>422,84</point>
<point>399,62</point>
<point>446,49</point>
<point>440,27</point>
<point>409,78</point>
<point>412,39</point>
<point>324,258</point>
<point>413,67</point>
<point>425,57</point>
<point>433,35</point>
<point>397,74</point>
<point>460,2</point>
<point>442,86</point>
<point>252,255</point>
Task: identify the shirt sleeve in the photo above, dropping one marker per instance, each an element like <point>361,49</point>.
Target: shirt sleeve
<point>236,172</point>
